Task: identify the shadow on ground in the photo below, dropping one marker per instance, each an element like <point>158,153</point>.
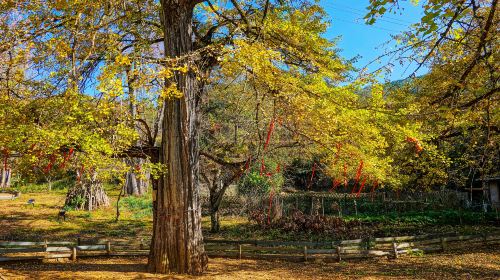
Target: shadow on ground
<point>474,263</point>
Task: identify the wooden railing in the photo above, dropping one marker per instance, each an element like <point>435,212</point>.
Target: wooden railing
<point>391,247</point>
<point>9,195</point>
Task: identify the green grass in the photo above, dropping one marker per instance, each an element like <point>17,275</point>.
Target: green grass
<point>140,207</point>
<point>443,217</point>
<point>30,223</point>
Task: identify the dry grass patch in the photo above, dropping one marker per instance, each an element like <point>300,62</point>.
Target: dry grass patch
<point>20,221</point>
<point>483,263</point>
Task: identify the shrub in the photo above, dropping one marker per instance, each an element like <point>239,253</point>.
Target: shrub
<point>300,222</point>
<point>298,175</point>
<point>255,184</point>
<point>76,202</point>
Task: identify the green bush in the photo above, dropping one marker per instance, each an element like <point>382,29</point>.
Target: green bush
<point>76,202</point>
<point>299,172</point>
<point>64,183</point>
<point>255,184</point>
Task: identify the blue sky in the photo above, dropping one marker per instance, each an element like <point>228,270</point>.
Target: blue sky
<point>367,41</point>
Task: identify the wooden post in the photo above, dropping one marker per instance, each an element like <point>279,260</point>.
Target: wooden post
<point>322,206</point>
<point>443,244</point>
<point>305,253</point>
<point>356,207</point>
<point>334,252</point>
<point>395,249</point>
<point>73,253</point>
<point>282,208</point>
<point>339,257</point>
<point>45,245</point>
<point>240,249</point>
<point>108,247</point>
<point>79,242</point>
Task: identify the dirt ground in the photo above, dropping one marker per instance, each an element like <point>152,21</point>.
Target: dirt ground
<point>482,263</point>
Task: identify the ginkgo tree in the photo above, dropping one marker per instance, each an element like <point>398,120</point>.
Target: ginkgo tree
<point>47,122</point>
<point>458,42</point>
<point>177,48</point>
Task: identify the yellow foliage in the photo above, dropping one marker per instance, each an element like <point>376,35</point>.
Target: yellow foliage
<point>171,92</point>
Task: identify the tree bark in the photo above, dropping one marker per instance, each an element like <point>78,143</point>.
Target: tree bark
<point>214,220</point>
<point>177,243</point>
<point>216,191</point>
<point>134,185</point>
<point>5,178</point>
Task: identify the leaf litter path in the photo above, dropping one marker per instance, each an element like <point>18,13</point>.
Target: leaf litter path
<point>482,263</point>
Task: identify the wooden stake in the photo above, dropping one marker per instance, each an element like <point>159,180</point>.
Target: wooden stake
<point>108,247</point>
<point>368,243</point>
<point>73,254</point>
<point>240,251</point>
<point>395,249</point>
<point>322,206</point>
<point>305,253</point>
<point>356,207</point>
<point>443,244</point>
<point>338,253</point>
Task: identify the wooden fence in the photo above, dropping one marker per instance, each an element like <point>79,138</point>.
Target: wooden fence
<point>9,195</point>
<point>337,203</point>
<point>391,247</point>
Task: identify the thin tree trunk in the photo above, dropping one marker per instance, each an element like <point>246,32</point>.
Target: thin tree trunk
<point>214,220</point>
<point>118,206</point>
<point>222,177</point>
<point>49,184</point>
<point>177,243</point>
<point>217,191</point>
<point>134,185</point>
<point>3,178</point>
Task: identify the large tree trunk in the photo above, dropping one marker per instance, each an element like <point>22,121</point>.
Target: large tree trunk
<point>177,243</point>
